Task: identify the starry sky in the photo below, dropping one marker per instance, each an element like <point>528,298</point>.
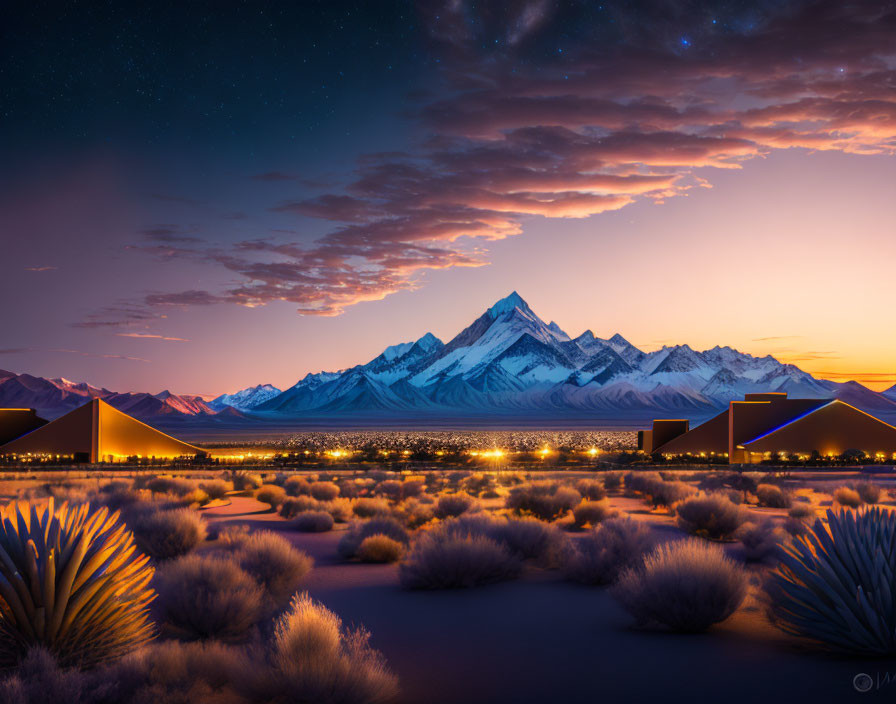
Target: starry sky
<point>209,195</point>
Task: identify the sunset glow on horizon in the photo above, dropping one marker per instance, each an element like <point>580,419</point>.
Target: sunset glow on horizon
<point>180,218</point>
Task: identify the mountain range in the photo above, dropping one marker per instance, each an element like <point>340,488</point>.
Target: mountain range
<point>507,363</point>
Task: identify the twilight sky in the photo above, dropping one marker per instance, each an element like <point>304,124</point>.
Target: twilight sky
<point>211,195</point>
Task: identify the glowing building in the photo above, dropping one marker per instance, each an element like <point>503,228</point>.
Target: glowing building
<point>98,432</point>
<point>769,425</point>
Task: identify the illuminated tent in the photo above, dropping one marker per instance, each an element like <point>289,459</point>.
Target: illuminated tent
<point>15,422</point>
<point>98,432</point>
<point>766,424</point>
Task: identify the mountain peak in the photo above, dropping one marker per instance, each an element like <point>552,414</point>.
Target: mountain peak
<point>507,304</point>
<point>429,342</point>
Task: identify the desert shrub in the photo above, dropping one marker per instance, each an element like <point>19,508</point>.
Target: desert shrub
<point>449,562</point>
<point>868,492</point>
<point>271,494</point>
<point>324,491</point>
<point>412,488</point>
<point>804,512</point>
<point>275,564</point>
<point>297,486</point>
<point>313,522</point>
<point>216,488</point>
<point>197,497</point>
<point>835,585</point>
<point>544,499</point>
<point>90,555</point>
<point>616,544</point>
<point>348,488</point>
<point>667,494</point>
<point>591,513</point>
<point>772,496</point>
<point>684,585</point>
<point>414,513</point>
<point>231,536</point>
<point>380,548</point>
<point>729,481</point>
<point>172,672</point>
<point>390,488</point>
<point>292,506</point>
<point>40,680</point>
<point>529,539</point>
<point>166,534</point>
<point>119,499</point>
<point>847,497</point>
<point>339,508</point>
<point>761,541</point>
<point>612,481</point>
<point>246,481</point>
<point>712,516</point>
<point>170,485</point>
<point>382,525</point>
<point>367,508</point>
<point>637,482</point>
<point>208,597</point>
<point>591,489</point>
<point>313,658</point>
<point>453,505</point>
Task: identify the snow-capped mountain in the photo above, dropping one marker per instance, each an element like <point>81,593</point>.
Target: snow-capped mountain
<point>510,361</point>
<point>246,399</point>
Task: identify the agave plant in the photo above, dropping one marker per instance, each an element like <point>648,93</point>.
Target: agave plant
<point>836,585</point>
<point>71,581</point>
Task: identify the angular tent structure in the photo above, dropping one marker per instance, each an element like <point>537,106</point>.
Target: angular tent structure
<point>15,422</point>
<point>764,425</point>
<point>98,432</point>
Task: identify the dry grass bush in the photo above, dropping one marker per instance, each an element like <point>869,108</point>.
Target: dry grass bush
<point>40,680</point>
<point>172,672</point>
<point>274,563</point>
<point>348,488</point>
<point>368,508</point>
<point>202,597</point>
<point>686,585</point>
<point>384,525</point>
<point>339,508</point>
<point>271,494</point>
<point>525,538</point>
<point>292,506</point>
<point>197,497</point>
<point>246,481</point>
<point>772,496</point>
<point>412,488</point>
<point>667,494</point>
<point>636,482</point>
<point>216,488</point>
<point>166,534</point>
<point>453,505</point>
<point>712,516</point>
<point>297,486</point>
<point>449,562</point>
<point>591,513</point>
<point>380,548</point>
<point>612,481</point>
<point>615,545</point>
<point>547,500</point>
<point>72,582</point>
<point>478,483</point>
<point>119,499</point>
<point>170,485</point>
<point>414,513</point>
<point>390,488</point>
<point>591,489</point>
<point>314,658</point>
<point>868,492</point>
<point>324,491</point>
<point>313,522</point>
<point>761,541</point>
<point>847,497</point>
<point>511,478</point>
<point>232,536</point>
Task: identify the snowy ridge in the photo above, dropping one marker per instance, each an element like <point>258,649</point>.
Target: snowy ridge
<point>510,361</point>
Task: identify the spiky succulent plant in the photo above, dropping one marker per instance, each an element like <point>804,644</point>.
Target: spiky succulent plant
<point>836,585</point>
<point>72,581</point>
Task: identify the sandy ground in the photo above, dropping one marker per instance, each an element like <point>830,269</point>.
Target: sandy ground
<point>541,639</point>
